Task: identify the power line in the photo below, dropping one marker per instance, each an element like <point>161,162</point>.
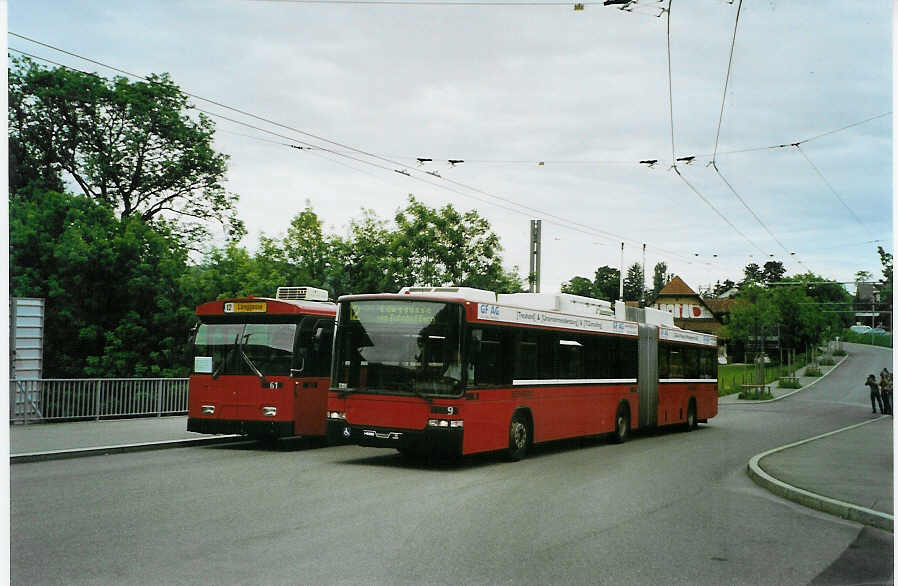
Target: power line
<point>564,222</point>
<point>831,188</point>
<point>447,3</point>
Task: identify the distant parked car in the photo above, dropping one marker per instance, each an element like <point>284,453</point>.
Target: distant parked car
<point>859,329</point>
<point>875,331</point>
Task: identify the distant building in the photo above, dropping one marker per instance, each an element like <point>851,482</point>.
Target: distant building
<point>866,301</point>
<point>689,310</point>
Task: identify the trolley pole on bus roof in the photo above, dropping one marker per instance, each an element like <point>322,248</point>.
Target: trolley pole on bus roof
<point>620,292</point>
<point>535,236</point>
<point>643,275</point>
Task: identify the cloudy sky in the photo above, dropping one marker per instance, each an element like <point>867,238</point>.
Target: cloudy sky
<point>505,87</point>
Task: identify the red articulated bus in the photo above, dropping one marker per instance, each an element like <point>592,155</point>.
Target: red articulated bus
<point>261,366</point>
<point>456,370</point>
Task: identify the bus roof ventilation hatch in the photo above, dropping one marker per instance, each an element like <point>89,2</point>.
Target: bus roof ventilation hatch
<point>466,293</point>
<point>301,294</point>
<point>563,302</point>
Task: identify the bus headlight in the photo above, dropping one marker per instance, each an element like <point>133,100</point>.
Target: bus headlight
<point>207,409</point>
<point>336,415</point>
<point>269,411</point>
<point>446,423</point>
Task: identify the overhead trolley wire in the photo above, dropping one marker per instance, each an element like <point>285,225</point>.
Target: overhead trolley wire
<point>673,146</point>
<point>713,162</point>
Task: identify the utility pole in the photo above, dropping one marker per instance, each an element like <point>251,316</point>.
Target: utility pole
<point>535,248</point>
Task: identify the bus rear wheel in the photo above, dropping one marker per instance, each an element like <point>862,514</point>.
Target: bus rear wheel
<point>691,418</point>
<point>518,437</point>
<point>621,425</point>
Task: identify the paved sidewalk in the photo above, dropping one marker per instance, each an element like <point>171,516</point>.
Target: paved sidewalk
<point>51,437</point>
<point>854,466</point>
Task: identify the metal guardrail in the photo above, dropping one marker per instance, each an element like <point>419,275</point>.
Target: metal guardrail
<point>35,400</point>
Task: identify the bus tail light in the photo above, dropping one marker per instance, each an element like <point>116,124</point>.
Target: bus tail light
<point>269,411</point>
<point>446,423</point>
<point>208,409</point>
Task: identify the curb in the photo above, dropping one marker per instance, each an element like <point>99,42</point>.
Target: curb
<point>807,386</point>
<point>118,449</point>
<point>812,500</point>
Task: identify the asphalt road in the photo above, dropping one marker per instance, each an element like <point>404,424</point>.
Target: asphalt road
<point>664,508</point>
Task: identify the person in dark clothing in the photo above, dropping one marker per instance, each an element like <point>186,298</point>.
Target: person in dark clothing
<point>885,389</point>
<point>874,392</point>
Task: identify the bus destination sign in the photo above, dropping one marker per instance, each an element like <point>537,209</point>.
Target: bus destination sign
<point>246,307</point>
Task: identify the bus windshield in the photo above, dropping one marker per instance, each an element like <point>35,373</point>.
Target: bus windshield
<point>238,348</point>
<point>399,346</point>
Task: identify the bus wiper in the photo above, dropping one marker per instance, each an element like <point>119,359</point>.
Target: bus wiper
<point>247,358</point>
<point>227,357</point>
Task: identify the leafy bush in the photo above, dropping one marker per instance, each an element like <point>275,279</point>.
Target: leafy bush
<point>812,371</point>
<point>789,383</point>
<point>840,353</point>
<point>827,361</point>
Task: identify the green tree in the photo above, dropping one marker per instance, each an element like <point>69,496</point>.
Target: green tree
<point>130,145</point>
<point>444,246</point>
<point>579,286</point>
<point>886,286</point>
<point>607,283</point>
<point>721,288</point>
<point>660,278</point>
<point>231,271</point>
<point>113,302</point>
<point>365,262</point>
<point>773,271</point>
<point>307,249</point>
<point>751,314</point>
<point>753,275</point>
<point>633,283</point>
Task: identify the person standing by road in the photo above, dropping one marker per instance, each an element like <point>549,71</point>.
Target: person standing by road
<point>885,389</point>
<point>874,392</point>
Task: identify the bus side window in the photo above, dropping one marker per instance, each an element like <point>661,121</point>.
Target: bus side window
<point>303,355</point>
<point>322,345</point>
<point>525,352</point>
<point>663,361</point>
<point>486,357</point>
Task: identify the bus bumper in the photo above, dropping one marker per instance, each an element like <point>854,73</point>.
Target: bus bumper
<point>338,432</point>
<point>241,427</point>
<point>441,440</point>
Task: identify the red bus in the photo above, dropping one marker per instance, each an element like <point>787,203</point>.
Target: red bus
<point>261,366</point>
<point>461,371</point>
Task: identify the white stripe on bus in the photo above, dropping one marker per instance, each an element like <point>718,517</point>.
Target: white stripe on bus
<point>687,380</point>
<point>573,381</point>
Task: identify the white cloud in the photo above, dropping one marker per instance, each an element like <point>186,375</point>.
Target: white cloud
<point>539,84</point>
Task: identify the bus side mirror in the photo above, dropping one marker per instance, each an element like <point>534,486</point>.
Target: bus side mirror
<point>298,371</point>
